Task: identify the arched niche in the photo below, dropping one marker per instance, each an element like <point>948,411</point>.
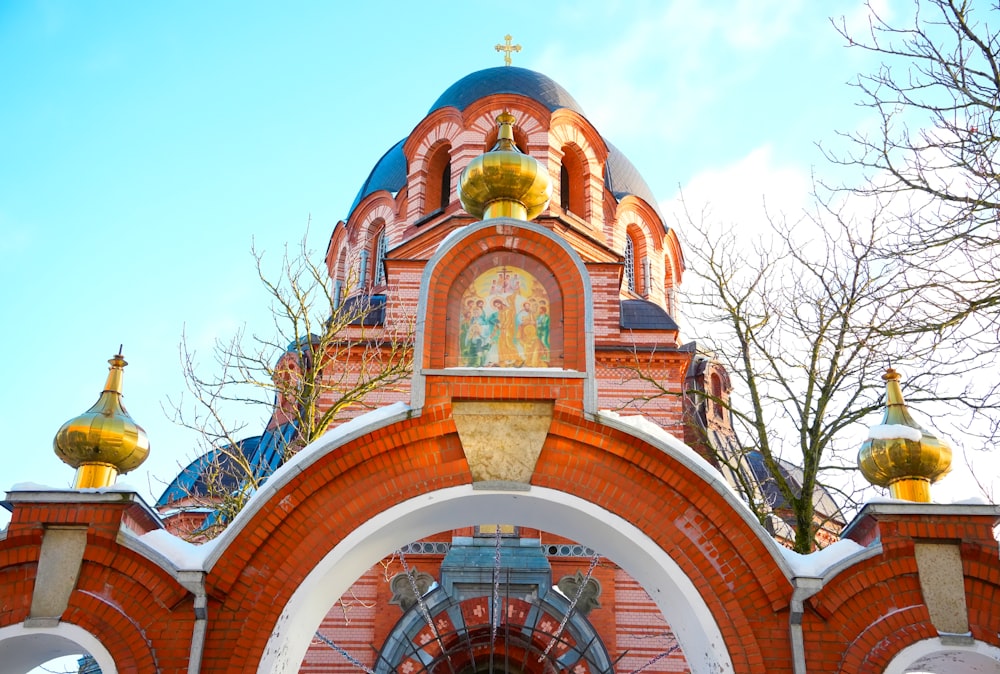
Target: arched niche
<point>476,254</point>
<point>946,655</point>
<point>505,310</point>
<point>22,648</point>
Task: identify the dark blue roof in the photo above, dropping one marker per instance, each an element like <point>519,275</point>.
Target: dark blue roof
<point>506,80</point>
<point>823,501</point>
<point>264,452</point>
<point>389,174</point>
<point>645,315</point>
<point>622,178</point>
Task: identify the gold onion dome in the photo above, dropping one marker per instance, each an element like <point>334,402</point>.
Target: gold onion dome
<point>901,455</point>
<point>505,182</point>
<point>103,441</point>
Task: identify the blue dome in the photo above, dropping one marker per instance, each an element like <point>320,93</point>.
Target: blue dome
<point>389,174</point>
<point>506,80</point>
<point>620,176</point>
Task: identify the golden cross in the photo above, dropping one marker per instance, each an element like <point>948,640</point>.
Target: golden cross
<point>507,48</point>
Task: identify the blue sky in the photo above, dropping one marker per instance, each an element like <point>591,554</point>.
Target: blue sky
<point>143,146</point>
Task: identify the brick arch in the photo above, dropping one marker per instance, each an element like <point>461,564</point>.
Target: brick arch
<point>867,642</point>
<point>501,236</point>
<point>439,181</point>
<point>350,499</point>
<point>480,121</point>
<point>638,235</point>
<point>574,184</point>
<point>572,138</point>
<point>119,599</point>
<point>376,206</point>
<point>438,131</point>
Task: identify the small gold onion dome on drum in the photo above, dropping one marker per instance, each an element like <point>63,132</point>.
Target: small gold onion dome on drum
<point>899,453</point>
<point>505,182</point>
<point>103,441</point>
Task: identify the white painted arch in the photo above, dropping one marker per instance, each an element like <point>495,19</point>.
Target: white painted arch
<point>23,648</point>
<point>946,655</point>
<point>549,510</point>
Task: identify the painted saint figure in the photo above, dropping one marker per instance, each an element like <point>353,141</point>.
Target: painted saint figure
<point>504,321</point>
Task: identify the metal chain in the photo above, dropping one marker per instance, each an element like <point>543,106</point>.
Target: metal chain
<point>350,658</point>
<point>423,607</point>
<point>495,613</point>
<point>569,611</point>
<point>657,658</point>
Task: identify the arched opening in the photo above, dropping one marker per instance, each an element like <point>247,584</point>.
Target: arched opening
<point>520,139</point>
<point>630,276</point>
<point>636,273</point>
<point>670,288</point>
<point>340,284</point>
<point>674,594</point>
<point>933,656</point>
<point>572,177</point>
<point>438,180</point>
<point>716,385</point>
<point>23,649</point>
<point>380,249</point>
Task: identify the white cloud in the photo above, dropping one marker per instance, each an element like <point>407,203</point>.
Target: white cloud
<point>858,22</point>
<point>739,192</point>
<point>667,64</point>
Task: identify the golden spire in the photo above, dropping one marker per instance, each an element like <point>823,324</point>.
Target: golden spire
<point>507,48</point>
<point>103,441</point>
<point>504,182</point>
<point>899,453</point>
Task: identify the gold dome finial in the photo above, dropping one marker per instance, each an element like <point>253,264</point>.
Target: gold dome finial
<point>899,453</point>
<point>103,441</point>
<point>504,182</point>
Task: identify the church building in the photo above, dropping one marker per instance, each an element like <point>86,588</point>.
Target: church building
<point>540,494</point>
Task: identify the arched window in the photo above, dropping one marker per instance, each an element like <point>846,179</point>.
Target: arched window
<point>381,246</point>
<point>716,383</point>
<point>439,179</point>
<point>571,181</point>
<point>629,263</point>
<point>340,279</point>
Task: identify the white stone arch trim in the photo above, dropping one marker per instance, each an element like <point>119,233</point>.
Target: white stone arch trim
<point>446,131</point>
<point>21,647</point>
<point>383,417</point>
<point>457,238</point>
<point>378,213</point>
<point>676,596</point>
<point>470,143</point>
<point>949,654</point>
<point>567,131</point>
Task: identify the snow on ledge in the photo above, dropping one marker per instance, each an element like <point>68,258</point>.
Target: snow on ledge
<point>34,486</point>
<point>894,432</point>
<point>182,554</point>
<point>118,487</point>
<point>816,564</point>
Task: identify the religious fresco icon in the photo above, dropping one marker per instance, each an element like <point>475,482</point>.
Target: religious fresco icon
<point>505,320</point>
